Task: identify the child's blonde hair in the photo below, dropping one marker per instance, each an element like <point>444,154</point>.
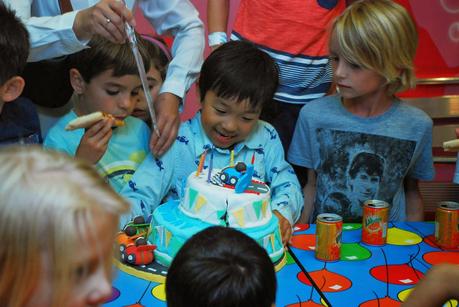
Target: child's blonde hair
<point>49,204</point>
<point>381,36</point>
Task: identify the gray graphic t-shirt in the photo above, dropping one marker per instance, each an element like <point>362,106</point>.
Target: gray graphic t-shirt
<point>358,158</point>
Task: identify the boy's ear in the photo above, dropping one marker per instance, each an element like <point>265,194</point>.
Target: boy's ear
<point>12,88</point>
<point>77,81</point>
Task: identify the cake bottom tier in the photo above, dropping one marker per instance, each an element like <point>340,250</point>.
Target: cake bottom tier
<point>170,229</point>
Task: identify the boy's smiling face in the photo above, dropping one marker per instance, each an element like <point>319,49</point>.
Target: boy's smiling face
<point>227,121</point>
<point>106,93</point>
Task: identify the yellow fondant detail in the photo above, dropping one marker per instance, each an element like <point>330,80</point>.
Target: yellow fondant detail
<point>264,208</point>
<point>239,215</point>
<point>199,203</point>
<point>271,238</point>
<point>159,292</point>
<point>168,237</point>
<point>137,273</point>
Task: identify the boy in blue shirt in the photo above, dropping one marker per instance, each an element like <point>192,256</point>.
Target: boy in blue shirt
<point>105,78</point>
<point>366,143</point>
<point>235,82</point>
<point>18,118</point>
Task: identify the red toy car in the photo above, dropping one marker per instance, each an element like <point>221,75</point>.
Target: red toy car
<point>138,254</point>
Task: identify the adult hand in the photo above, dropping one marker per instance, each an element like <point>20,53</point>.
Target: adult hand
<point>95,140</point>
<point>285,227</point>
<point>168,120</point>
<point>106,18</point>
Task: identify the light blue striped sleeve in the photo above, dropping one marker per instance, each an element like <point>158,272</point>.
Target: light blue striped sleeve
<point>149,185</point>
<point>286,193</point>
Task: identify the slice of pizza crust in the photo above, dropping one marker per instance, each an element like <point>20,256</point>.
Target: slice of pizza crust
<point>452,145</point>
<point>88,120</point>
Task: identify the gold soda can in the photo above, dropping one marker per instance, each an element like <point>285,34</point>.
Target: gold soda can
<point>374,222</point>
<point>329,227</point>
<point>447,224</point>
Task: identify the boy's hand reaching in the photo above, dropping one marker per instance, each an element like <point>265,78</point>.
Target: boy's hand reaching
<point>167,113</point>
<point>95,140</point>
<point>285,227</point>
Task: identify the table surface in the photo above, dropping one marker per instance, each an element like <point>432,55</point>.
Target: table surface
<point>364,276</point>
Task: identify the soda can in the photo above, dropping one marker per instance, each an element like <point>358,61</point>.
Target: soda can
<point>447,225</point>
<point>374,222</point>
<point>329,227</point>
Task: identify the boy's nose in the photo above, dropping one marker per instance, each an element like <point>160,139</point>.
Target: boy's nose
<point>229,125</point>
<point>126,102</point>
<point>340,70</point>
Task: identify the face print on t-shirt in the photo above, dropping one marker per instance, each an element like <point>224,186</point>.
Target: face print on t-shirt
<point>355,167</point>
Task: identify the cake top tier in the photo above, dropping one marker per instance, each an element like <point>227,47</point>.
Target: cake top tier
<point>227,197</point>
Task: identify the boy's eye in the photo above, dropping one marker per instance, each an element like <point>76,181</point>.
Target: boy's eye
<point>248,119</point>
<point>355,66</point>
<point>112,92</point>
<point>80,272</point>
<point>220,111</point>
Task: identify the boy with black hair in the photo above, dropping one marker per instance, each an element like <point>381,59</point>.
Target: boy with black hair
<point>18,118</point>
<point>235,82</point>
<point>105,78</point>
<point>222,267</point>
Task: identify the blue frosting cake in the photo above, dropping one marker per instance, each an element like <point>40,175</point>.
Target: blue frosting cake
<point>228,199</point>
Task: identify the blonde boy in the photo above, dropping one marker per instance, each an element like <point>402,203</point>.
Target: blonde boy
<point>372,47</point>
<point>58,219</point>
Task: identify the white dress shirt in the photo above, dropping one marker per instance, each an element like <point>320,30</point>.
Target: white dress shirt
<point>51,34</point>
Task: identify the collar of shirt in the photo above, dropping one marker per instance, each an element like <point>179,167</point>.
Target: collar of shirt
<point>203,142</point>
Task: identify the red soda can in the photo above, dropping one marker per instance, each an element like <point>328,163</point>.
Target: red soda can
<point>374,222</point>
<point>329,227</point>
<point>447,225</point>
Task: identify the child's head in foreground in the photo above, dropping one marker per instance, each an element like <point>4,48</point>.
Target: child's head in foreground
<point>235,83</point>
<point>221,266</point>
<point>14,50</point>
<point>105,78</point>
<point>58,219</point>
<point>377,35</point>
<point>159,56</point>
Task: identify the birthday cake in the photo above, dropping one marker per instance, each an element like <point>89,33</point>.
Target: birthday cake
<point>227,197</point>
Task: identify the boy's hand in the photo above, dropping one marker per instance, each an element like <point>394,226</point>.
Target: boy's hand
<point>95,140</point>
<point>167,113</point>
<point>285,227</point>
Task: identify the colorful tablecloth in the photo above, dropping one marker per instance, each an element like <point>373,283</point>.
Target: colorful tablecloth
<point>365,275</point>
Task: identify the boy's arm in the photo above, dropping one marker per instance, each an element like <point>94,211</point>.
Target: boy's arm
<point>309,191</point>
<point>149,185</point>
<point>286,195</point>
<point>437,286</point>
<point>217,22</point>
<point>414,204</point>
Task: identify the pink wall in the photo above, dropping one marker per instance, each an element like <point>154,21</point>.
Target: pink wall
<point>192,102</point>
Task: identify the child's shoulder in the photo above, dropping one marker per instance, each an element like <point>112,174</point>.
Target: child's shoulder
<point>60,124</point>
<point>321,104</point>
<point>413,113</point>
